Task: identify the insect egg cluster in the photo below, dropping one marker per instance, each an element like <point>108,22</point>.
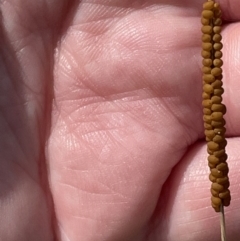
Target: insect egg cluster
<point>213,108</point>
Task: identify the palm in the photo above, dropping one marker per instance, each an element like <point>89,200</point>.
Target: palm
<point>115,107</point>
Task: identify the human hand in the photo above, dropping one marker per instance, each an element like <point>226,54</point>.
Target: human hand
<point>101,125</point>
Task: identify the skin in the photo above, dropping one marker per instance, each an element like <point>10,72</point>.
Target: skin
<point>101,121</point>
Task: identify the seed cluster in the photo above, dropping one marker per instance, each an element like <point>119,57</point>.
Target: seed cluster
<point>213,109</point>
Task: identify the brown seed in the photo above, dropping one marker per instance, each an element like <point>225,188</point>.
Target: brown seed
<point>212,146</point>
<point>217,38</point>
<point>207,111</point>
<point>207,127</point>
<point>226,186</point>
<point>226,201</point>
<point>217,84</point>
<point>219,153</point>
<point>210,165</point>
<point>206,54</point>
<point>208,78</point>
<point>207,46</point>
<point>208,88</point>
<point>208,5</point>
<point>207,29</point>
<point>207,119</point>
<point>218,92</point>
<point>216,100</point>
<point>223,158</point>
<point>220,77</point>
<point>207,103</point>
<point>217,124</point>
<point>217,13</point>
<point>206,70</point>
<point>210,152</point>
<point>217,62</point>
<point>224,194</point>
<point>222,181</point>
<point>218,54</point>
<point>217,116</point>
<point>212,178</point>
<point>222,166</point>
<point>218,138</point>
<point>205,21</point>
<point>213,160</point>
<point>216,173</point>
<point>206,96</point>
<point>207,62</point>
<point>217,187</point>
<point>217,22</point>
<point>217,6</point>
<point>206,38</point>
<point>219,107</point>
<point>214,193</point>
<point>209,133</point>
<point>223,144</point>
<point>207,14</point>
<point>216,201</point>
<point>217,29</point>
<point>220,131</point>
<point>216,46</point>
<point>216,207</point>
<point>216,71</point>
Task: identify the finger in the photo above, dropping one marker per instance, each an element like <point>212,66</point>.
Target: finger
<point>231,73</point>
<point>188,214</point>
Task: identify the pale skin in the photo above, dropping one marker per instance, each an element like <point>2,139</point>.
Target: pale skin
<point>101,121</point>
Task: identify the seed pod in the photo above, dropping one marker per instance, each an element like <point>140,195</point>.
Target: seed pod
<point>213,109</point>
